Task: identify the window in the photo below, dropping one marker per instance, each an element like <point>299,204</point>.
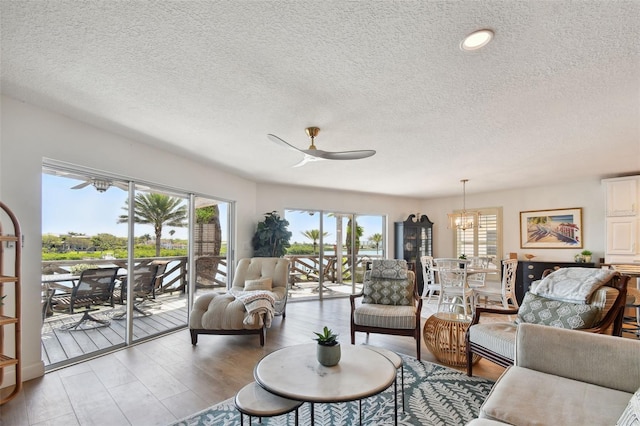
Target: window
<point>484,238</point>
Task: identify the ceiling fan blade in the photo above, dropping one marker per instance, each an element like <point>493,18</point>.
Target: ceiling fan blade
<point>345,155</point>
<point>82,185</point>
<point>308,159</point>
<point>281,142</point>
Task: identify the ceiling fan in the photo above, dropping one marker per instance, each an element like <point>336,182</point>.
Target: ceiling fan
<point>101,185</point>
<point>315,154</point>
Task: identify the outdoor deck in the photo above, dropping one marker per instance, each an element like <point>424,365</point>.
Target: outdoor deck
<point>59,346</point>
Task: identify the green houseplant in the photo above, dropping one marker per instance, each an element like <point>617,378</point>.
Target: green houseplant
<point>328,351</point>
<point>272,236</point>
<point>586,255</point>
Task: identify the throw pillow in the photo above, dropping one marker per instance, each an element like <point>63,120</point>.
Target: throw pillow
<point>388,292</point>
<point>631,415</point>
<point>540,310</point>
<point>389,268</point>
<point>259,284</point>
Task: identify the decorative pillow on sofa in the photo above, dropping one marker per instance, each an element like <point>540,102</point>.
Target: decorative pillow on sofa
<point>394,269</point>
<point>540,310</point>
<point>388,292</point>
<point>631,415</point>
<point>259,284</point>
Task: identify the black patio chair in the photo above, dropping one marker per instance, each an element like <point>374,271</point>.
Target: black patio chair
<point>94,288</point>
<point>145,279</point>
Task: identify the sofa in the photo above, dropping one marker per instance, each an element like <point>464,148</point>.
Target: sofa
<point>566,377</point>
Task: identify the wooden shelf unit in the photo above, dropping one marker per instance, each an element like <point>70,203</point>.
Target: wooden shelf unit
<point>10,241</point>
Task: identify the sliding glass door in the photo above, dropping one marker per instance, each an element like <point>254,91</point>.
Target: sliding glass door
<point>331,250</point>
<point>152,236</point>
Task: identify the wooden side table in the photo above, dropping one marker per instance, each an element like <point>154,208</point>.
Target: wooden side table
<point>444,334</point>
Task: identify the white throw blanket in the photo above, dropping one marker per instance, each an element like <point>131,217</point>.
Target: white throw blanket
<point>573,285</point>
<point>257,303</point>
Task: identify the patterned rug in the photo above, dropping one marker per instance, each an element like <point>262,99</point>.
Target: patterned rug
<point>434,395</point>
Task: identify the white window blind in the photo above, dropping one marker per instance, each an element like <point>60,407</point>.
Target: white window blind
<point>485,238</point>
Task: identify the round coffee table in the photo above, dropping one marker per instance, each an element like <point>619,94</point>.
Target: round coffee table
<point>294,372</point>
<point>444,334</point>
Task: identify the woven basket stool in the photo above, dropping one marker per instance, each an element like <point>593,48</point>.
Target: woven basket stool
<point>444,334</point>
<point>254,401</point>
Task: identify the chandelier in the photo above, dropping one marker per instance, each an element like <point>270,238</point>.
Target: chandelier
<point>463,220</point>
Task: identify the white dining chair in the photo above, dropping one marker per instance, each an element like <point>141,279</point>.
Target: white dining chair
<point>503,294</point>
<point>429,278</point>
<point>455,293</point>
<point>478,279</point>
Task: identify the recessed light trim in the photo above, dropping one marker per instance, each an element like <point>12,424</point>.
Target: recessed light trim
<point>477,40</point>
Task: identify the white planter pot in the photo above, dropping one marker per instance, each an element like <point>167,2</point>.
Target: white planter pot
<point>328,355</point>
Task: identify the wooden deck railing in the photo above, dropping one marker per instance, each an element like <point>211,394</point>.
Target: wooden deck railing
<point>175,276</point>
<point>211,271</point>
<point>308,267</point>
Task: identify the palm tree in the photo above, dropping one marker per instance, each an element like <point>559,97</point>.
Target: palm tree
<point>359,233</point>
<point>377,239</point>
<point>314,235</point>
<point>157,210</point>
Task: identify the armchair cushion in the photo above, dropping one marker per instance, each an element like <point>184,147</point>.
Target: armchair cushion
<point>541,310</point>
<point>388,292</point>
<point>259,284</point>
<point>389,268</point>
<point>398,317</point>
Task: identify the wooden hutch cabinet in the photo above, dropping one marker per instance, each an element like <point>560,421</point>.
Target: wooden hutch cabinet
<point>414,238</point>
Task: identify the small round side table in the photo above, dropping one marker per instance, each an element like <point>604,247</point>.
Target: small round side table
<point>444,334</point>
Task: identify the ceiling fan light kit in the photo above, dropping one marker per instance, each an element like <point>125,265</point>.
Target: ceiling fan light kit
<point>313,153</point>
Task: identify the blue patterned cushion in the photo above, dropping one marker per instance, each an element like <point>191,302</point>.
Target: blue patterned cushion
<point>388,292</point>
<point>389,268</point>
<point>540,310</point>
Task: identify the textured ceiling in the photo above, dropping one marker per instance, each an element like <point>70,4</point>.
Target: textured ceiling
<point>555,97</point>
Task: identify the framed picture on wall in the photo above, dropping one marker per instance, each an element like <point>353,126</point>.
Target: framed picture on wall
<point>548,229</point>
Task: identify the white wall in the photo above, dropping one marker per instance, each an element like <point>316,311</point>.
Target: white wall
<point>29,133</point>
<point>587,194</point>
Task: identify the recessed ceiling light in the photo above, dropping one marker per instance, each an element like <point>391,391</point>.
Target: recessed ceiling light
<point>476,40</point>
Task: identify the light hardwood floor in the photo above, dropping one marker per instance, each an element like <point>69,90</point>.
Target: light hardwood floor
<point>162,380</point>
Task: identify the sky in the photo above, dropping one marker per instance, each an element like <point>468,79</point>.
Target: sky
<point>87,211</point>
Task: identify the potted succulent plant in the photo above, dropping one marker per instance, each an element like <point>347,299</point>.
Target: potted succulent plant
<point>328,351</point>
<point>586,255</point>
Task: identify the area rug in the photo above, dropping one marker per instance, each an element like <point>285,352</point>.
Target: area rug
<point>434,395</point>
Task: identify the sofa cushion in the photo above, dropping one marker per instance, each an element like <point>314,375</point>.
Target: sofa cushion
<point>631,414</point>
<point>527,397</point>
<point>259,284</point>
<point>540,310</point>
<point>388,292</point>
